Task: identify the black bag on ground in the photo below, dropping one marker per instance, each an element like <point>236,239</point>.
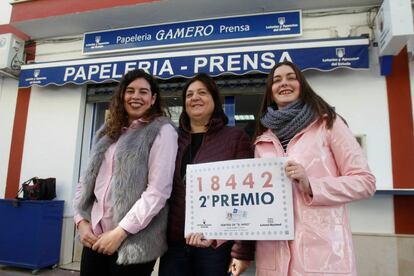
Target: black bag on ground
<point>39,188</point>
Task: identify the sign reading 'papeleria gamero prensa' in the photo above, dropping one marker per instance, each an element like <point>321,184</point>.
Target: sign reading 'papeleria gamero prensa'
<point>216,30</point>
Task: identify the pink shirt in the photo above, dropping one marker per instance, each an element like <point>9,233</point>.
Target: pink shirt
<point>160,174</point>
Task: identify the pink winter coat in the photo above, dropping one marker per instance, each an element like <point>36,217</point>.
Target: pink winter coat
<point>338,173</point>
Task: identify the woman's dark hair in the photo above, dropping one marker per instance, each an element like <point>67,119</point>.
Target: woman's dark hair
<point>306,95</point>
<point>118,116</point>
<point>211,86</point>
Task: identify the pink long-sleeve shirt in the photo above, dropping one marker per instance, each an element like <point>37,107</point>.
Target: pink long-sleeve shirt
<point>160,174</point>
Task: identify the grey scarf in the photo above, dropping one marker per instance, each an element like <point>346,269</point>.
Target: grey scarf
<point>286,122</point>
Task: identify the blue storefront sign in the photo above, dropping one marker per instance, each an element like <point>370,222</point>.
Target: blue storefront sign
<point>321,54</point>
<point>216,30</point>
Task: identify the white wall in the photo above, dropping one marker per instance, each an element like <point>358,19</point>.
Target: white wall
<point>374,215</point>
<point>8,98</point>
<point>5,12</point>
<point>52,146</point>
<point>59,49</point>
<point>53,140</point>
<point>337,25</point>
<point>361,98</point>
<point>53,136</point>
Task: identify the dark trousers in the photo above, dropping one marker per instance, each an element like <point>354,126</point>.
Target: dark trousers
<point>94,264</point>
<point>185,260</point>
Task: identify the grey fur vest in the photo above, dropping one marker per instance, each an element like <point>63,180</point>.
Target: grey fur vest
<point>129,181</point>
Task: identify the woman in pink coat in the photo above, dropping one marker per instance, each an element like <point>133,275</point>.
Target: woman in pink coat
<point>327,168</point>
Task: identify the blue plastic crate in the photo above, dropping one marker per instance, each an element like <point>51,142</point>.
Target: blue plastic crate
<point>31,232</point>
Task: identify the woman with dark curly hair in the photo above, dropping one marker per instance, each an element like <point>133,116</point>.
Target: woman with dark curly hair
<point>120,202</point>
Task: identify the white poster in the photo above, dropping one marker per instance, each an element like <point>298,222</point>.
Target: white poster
<point>244,199</point>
